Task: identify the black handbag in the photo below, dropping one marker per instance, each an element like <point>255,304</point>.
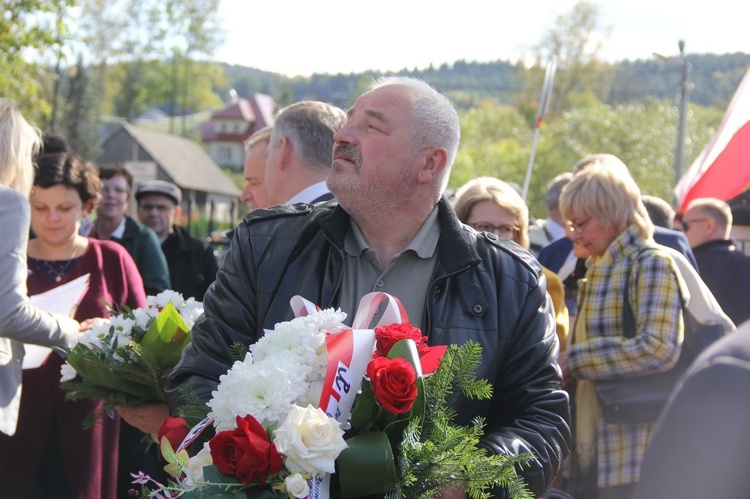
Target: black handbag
<point>640,399</point>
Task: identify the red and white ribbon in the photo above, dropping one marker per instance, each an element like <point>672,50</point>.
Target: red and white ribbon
<point>349,352</point>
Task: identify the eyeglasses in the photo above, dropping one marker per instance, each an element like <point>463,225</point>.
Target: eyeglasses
<point>505,231</point>
<point>114,189</point>
<point>161,208</point>
<point>579,227</point>
<point>687,223</point>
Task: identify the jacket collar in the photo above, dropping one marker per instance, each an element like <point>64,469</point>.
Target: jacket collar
<point>180,238</point>
<point>455,249</point>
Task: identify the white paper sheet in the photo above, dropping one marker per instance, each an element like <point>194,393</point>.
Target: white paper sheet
<point>63,299</point>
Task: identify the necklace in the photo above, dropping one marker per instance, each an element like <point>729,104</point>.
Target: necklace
<point>56,269</point>
<point>64,267</point>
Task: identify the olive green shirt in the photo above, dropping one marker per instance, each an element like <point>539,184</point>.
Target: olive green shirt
<point>407,276</point>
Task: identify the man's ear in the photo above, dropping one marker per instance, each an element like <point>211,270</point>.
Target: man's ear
<point>434,163</point>
<point>712,228</point>
<point>285,151</point>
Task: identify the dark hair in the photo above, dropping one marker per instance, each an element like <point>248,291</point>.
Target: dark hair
<point>109,171</point>
<point>70,170</point>
<point>53,143</point>
<point>659,211</point>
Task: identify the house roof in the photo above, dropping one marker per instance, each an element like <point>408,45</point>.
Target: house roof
<point>240,109</point>
<point>256,111</point>
<point>186,163</point>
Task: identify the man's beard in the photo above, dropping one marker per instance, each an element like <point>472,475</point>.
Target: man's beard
<point>360,197</point>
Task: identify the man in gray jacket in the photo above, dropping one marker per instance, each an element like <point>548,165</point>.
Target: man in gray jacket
<point>394,232</point>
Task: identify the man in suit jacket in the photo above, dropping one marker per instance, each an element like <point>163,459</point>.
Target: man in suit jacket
<point>300,152</point>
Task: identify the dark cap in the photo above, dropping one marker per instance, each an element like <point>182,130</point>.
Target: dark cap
<point>159,187</point>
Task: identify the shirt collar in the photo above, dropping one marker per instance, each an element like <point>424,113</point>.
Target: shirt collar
<point>308,194</point>
<point>424,243</point>
<point>119,231</point>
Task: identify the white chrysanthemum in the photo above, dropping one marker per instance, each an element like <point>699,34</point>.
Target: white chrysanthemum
<point>94,337</point>
<point>190,311</point>
<point>143,316</point>
<point>277,372</point>
<point>266,390</point>
<point>165,297</point>
<point>67,373</point>
<point>328,320</point>
<point>123,325</point>
<point>298,339</point>
<point>311,395</point>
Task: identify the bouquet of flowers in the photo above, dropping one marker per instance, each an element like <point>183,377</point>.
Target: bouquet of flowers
<point>125,360</point>
<point>283,426</point>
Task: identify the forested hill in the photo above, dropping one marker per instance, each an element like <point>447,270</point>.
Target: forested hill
<point>714,80</point>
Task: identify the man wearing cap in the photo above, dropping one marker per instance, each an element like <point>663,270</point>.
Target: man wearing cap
<point>191,262</point>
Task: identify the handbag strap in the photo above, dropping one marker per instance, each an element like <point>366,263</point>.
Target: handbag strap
<point>629,327</point>
<point>628,317</point>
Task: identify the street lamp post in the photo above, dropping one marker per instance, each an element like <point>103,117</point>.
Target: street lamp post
<point>686,67</point>
<point>683,97</point>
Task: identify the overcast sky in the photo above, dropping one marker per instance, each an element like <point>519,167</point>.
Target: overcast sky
<point>301,37</point>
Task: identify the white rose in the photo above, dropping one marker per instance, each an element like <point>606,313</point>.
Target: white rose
<point>310,440</point>
<point>296,485</point>
<point>194,470</point>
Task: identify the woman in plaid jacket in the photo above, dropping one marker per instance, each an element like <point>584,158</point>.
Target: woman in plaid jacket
<point>608,221</point>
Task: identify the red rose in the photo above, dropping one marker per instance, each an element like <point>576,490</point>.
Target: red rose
<point>393,383</point>
<point>246,452</point>
<point>175,429</point>
<point>387,336</point>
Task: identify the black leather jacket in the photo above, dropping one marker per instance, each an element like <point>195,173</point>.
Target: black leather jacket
<point>483,288</point>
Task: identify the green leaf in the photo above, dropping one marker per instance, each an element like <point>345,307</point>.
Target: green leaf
<point>367,465</point>
<point>364,411</point>
<point>166,337</point>
<point>407,349</point>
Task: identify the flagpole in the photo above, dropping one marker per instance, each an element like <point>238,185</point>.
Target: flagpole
<point>549,79</point>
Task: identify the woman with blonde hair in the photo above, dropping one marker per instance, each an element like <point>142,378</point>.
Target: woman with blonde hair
<point>20,322</point>
<point>491,205</point>
<point>607,218</point>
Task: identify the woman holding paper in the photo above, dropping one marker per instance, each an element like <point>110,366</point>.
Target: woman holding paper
<point>50,432</point>
<point>20,322</point>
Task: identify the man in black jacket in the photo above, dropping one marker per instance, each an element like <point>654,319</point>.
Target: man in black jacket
<point>724,268</point>
<point>394,232</point>
<point>191,262</point>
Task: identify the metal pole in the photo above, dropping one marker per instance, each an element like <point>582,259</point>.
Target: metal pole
<point>549,82</point>
<point>678,157</point>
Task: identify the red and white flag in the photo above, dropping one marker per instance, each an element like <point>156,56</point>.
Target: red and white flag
<point>722,169</point>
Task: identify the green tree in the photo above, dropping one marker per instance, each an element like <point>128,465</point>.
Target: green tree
<point>576,39</point>
<point>496,141</point>
<point>27,29</point>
